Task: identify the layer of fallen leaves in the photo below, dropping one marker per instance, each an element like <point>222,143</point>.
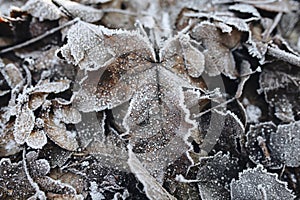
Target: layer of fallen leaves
<point>116,99</point>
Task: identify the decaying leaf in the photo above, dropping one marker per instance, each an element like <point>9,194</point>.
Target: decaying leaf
<point>257,183</point>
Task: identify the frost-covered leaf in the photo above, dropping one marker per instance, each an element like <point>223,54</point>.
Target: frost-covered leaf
<point>42,9</point>
<point>257,183</point>
<point>92,47</point>
<point>218,57</point>
<point>281,90</point>
<point>152,188</point>
<point>193,58</point>
<point>220,131</point>
<point>52,87</point>
<point>85,13</point>
<point>278,6</point>
<point>285,144</point>
<point>245,8</point>
<point>67,114</point>
<point>36,139</point>
<point>258,145</point>
<point>36,100</point>
<point>24,124</point>
<point>59,134</point>
<point>13,181</point>
<point>215,174</point>
<point>12,75</point>
<point>8,145</point>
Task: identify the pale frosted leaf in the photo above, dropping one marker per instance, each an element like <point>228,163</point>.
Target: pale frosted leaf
<point>279,6</point>
<point>85,13</point>
<point>52,87</point>
<point>257,183</point>
<point>215,174</point>
<point>36,139</point>
<point>67,114</point>
<point>245,8</point>
<point>42,9</point>
<point>92,47</point>
<point>152,188</point>
<point>94,1</point>
<point>218,58</point>
<point>285,144</point>
<point>12,75</point>
<point>8,145</point>
<point>24,124</point>
<point>58,133</point>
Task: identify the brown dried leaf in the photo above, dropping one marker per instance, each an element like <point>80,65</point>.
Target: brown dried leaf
<point>59,134</point>
<point>36,100</point>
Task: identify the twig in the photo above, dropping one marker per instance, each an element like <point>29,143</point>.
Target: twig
<point>283,55</point>
<point>40,37</point>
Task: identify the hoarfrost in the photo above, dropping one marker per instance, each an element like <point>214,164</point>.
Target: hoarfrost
<point>42,9</point>
<point>257,183</point>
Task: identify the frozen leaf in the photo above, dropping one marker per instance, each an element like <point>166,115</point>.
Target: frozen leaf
<point>52,87</point>
<point>13,181</point>
<point>245,8</point>
<point>67,114</point>
<point>215,174</point>
<point>218,57</point>
<point>258,145</point>
<point>281,89</point>
<point>8,145</point>
<point>59,134</point>
<point>152,188</point>
<point>24,124</point>
<point>56,156</point>
<point>85,13</point>
<point>36,139</point>
<point>94,1</point>
<point>278,6</point>
<point>92,47</point>
<point>257,183</point>
<point>193,58</point>
<point>12,75</point>
<point>42,9</point>
<point>36,100</point>
<point>285,144</point>
<point>157,121</point>
<point>220,131</point>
